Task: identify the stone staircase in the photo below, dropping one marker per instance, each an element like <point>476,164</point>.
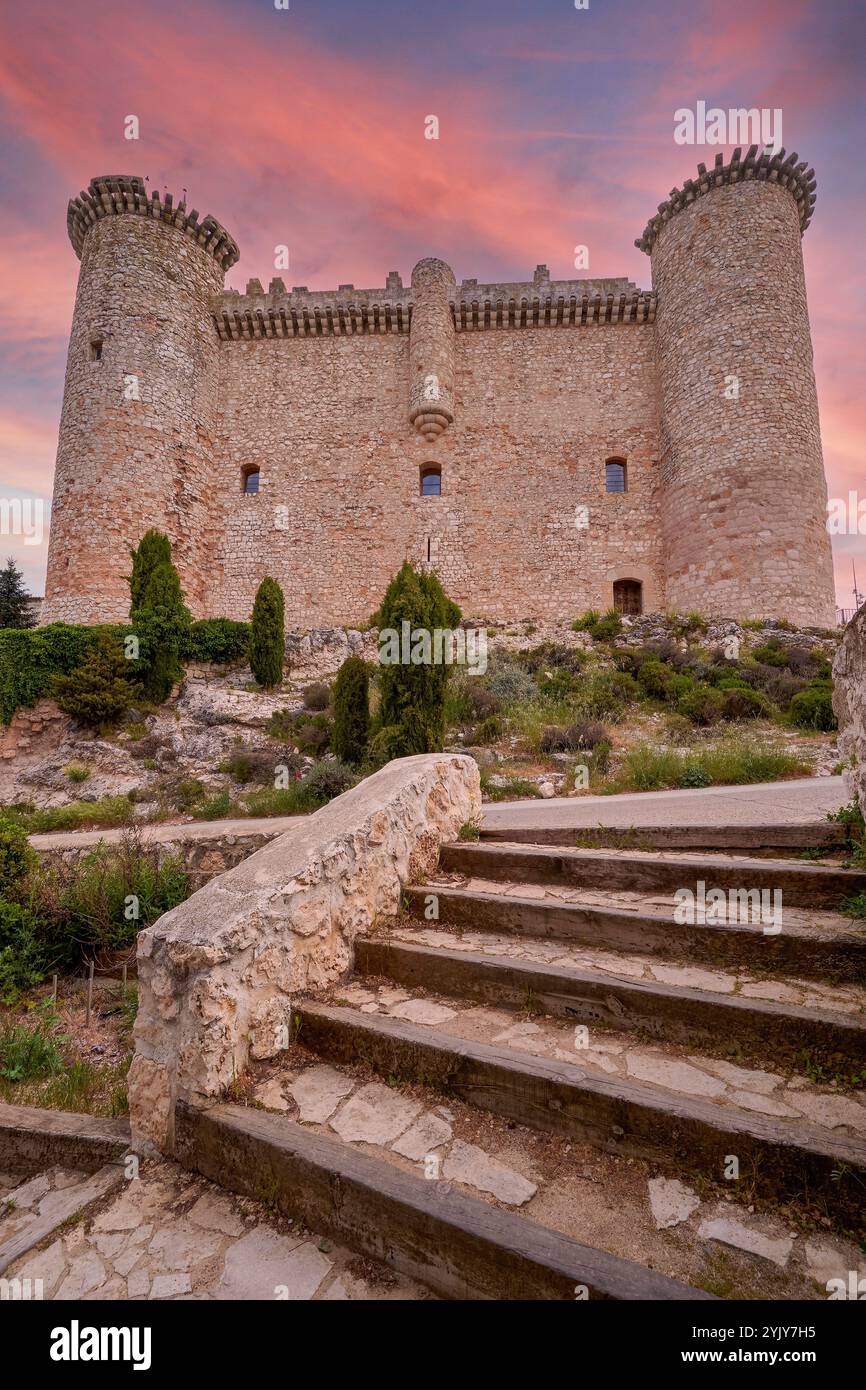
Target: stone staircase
<point>541,1084</point>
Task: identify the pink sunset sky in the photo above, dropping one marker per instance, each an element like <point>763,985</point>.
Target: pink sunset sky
<point>305,127</point>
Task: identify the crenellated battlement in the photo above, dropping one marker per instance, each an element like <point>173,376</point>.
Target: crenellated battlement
<point>347,311</point>
<point>765,168</point>
<point>115,195</point>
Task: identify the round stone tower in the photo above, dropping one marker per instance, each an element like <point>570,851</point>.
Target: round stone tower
<point>140,397</point>
<point>743,489</point>
<point>431,349</point>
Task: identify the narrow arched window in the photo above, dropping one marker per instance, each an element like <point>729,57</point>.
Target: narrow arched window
<point>431,480</point>
<point>628,596</point>
<point>615,477</point>
<point>250,480</point>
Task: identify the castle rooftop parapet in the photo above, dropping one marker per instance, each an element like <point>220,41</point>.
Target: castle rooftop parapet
<point>541,302</point>
<point>113,195</point>
<point>766,168</point>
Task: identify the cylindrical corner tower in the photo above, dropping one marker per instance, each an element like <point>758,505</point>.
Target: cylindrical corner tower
<point>744,495</point>
<point>140,397</point>
<point>431,348</point>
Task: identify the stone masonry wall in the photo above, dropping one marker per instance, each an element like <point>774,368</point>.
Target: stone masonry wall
<point>744,503</point>
<point>217,974</point>
<point>537,411</point>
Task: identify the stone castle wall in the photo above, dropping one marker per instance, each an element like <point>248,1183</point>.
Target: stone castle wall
<point>518,392</point>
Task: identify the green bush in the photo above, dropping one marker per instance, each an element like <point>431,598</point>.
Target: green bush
<point>741,702</point>
<point>352,711</point>
<point>318,695</point>
<point>703,705</point>
<point>413,694</point>
<point>218,640</point>
<point>162,624</point>
<point>552,656</point>
<point>97,692</point>
<point>587,621</point>
<point>732,762</point>
<point>694,774</point>
<point>75,815</point>
<point>654,677</point>
<point>312,733</point>
<point>489,730</point>
<point>606,695</point>
<point>30,661</point>
<point>102,902</point>
<point>812,708</point>
<point>508,684</point>
<point>251,764</point>
<point>215,808</point>
<point>601,757</point>
<point>608,627</point>
<point>328,779</point>
<point>29,1051</point>
<point>22,959</point>
<point>268,635</point>
<point>583,735</point>
<point>17,859</point>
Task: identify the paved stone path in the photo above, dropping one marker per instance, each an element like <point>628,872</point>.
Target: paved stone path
<point>763,803</point>
<point>170,1234</point>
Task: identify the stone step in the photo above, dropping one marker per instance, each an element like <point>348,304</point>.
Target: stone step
<point>33,1139</point>
<point>680,1011</point>
<point>696,1234</point>
<point>830,948</point>
<point>761,840</point>
<point>457,1245</point>
<point>666,1119</point>
<point>801,883</point>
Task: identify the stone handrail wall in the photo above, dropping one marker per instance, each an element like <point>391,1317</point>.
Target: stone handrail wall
<point>849,704</point>
<point>217,975</point>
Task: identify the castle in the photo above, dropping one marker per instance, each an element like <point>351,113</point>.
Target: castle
<point>547,447</point>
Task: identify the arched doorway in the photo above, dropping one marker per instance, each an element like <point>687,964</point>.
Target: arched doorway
<point>628,596</point>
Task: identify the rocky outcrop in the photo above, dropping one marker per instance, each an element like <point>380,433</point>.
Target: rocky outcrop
<point>849,704</point>
<point>218,973</point>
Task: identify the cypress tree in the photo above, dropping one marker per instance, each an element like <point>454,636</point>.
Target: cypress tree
<point>14,598</point>
<point>154,549</point>
<point>351,711</point>
<point>162,624</point>
<point>267,635</point>
<point>412,709</point>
